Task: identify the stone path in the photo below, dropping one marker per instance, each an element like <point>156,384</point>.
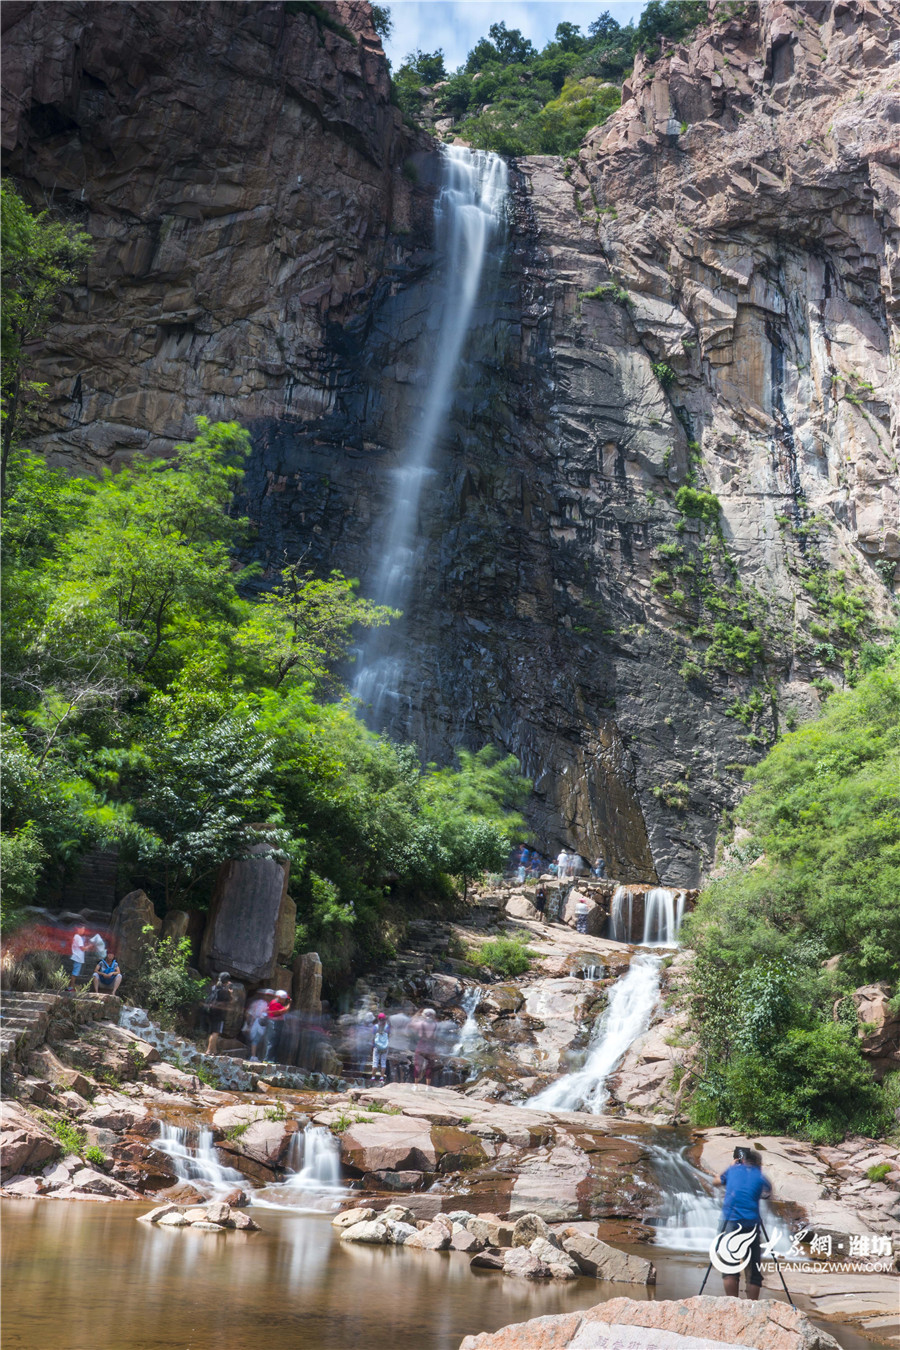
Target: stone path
<point>24,1019</point>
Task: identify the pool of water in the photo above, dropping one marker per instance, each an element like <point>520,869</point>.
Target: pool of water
<point>82,1275</point>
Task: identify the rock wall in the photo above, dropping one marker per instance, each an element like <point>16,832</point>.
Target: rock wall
<point>704,303</point>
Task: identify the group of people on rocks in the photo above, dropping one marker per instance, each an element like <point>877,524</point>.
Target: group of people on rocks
<point>106,976</point>
<point>402,1046</point>
<point>529,863</point>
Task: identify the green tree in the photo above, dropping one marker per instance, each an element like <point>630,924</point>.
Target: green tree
<point>41,256</point>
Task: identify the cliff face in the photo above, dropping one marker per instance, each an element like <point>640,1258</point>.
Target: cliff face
<point>674,423</point>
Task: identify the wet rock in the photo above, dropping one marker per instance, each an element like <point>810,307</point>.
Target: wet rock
<point>561,1266</point>
<point>489,1260</point>
<point>205,1226</point>
<point>700,1323</point>
<point>371,1232</point>
<point>237,1198</point>
<point>219,1212</point>
<point>394,1143</point>
<point>457,1150</point>
<point>154,1215</point>
<point>244,1224</point>
<point>395,1181</point>
<point>524,1265</point>
<point>353,1216</point>
<point>526,1229</point>
<point>434,1237</point>
<point>501,1000</point>
<point>173,1219</point>
<point>24,1188</point>
<point>603,1262</point>
<point>24,1143</point>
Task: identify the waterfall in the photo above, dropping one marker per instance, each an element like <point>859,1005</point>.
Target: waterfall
<point>619,926</point>
<point>195,1160</point>
<point>627,1016</point>
<point>314,1180</point>
<point>690,1214</point>
<point>663,912</point>
<point>470,1032</point>
<point>469,214</point>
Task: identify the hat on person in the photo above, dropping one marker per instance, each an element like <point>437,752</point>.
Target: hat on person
<point>281,993</point>
<point>224,975</point>
<point>429,1012</point>
<point>381,1017</point>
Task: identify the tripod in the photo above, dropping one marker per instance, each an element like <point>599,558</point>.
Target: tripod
<point>775,1257</point>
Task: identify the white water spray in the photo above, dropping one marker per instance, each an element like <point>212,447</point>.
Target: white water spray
<point>470,1031</point>
<point>621,914</point>
<point>627,1016</point>
<point>195,1160</point>
<point>469,213</point>
<point>314,1182</point>
<point>663,912</point>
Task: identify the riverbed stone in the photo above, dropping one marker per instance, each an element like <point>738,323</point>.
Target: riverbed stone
<point>527,1228</point>
<point>699,1323</point>
<point>394,1143</point>
<point>434,1237</point>
<point>488,1260</point>
<point>603,1262</point>
<point>524,1265</point>
<point>244,1224</point>
<point>398,1234</point>
<point>398,1214</point>
<point>491,1230</point>
<point>352,1216</point>
<point>174,1219</point>
<point>372,1233</point>
<point>464,1241</point>
<point>154,1215</point>
<point>561,1266</point>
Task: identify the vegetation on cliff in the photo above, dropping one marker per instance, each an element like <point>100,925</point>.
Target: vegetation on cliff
<point>154,697</point>
<point>514,99</point>
<point>815,877</point>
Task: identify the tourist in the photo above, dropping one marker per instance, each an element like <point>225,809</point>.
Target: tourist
<point>380,1045</point>
<point>217,1001</point>
<point>540,903</point>
<point>275,1012</point>
<point>254,1028</point>
<point>562,865</point>
<point>582,909</point>
<point>599,869</point>
<point>423,1028</point>
<point>76,958</point>
<point>745,1186</point>
<point>107,976</point>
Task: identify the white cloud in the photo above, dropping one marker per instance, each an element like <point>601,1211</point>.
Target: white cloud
<point>456,25</point>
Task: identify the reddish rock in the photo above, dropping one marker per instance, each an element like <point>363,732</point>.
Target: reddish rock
<point>394,1142</point>
<point>24,1142</point>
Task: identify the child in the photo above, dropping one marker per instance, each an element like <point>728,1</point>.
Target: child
<point>380,1046</point>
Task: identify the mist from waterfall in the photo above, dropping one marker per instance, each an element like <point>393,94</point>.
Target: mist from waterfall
<point>469,216</point>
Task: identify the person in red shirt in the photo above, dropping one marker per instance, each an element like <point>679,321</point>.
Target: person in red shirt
<point>279,1005</point>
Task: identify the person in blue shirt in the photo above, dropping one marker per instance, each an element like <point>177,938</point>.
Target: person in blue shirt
<point>107,975</point>
<point>745,1186</point>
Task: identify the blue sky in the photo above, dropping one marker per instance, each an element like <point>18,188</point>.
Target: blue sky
<point>456,25</point>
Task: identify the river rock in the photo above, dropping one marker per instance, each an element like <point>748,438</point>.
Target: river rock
<point>700,1323</point>
<point>24,1143</point>
<point>488,1260</point>
<point>398,1234</point>
<point>219,1212</point>
<point>174,1219</point>
<point>351,1217</point>
<point>241,934</point>
<point>155,1215</point>
<point>561,1266</point>
<point>464,1241</point>
<point>130,943</point>
<point>244,1224</point>
<point>526,1229</point>
<point>603,1262</point>
<point>490,1230</point>
<point>518,906</point>
<point>372,1232</point>
<point>523,1264</point>
<point>395,1143</point>
<point>398,1214</point>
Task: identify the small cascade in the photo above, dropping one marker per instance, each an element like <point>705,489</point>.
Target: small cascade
<point>663,912</point>
<point>627,1016</point>
<point>621,915</point>
<point>194,1159</point>
<point>591,972</point>
<point>314,1180</point>
<point>470,1031</point>
<point>689,1217</point>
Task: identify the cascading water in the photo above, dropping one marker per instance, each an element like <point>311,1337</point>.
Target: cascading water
<point>470,1031</point>
<point>469,215</point>
<point>314,1180</point>
<point>627,1016</point>
<point>663,912</point>
<point>689,1217</point>
<point>195,1159</point>
<point>621,914</point>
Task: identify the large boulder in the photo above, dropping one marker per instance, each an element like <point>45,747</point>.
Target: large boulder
<point>130,943</point>
<point>700,1323</point>
<point>308,983</point>
<point>24,1143</point>
<point>245,916</point>
<point>518,906</point>
<point>879,1029</point>
<point>603,1262</point>
<point>394,1143</point>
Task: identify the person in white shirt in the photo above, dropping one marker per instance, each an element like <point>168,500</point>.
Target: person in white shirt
<point>76,958</point>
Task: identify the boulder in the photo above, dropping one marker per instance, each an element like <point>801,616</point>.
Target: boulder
<point>174,1219</point>
<point>219,1212</point>
<point>524,1265</point>
<point>25,1188</point>
<point>490,1260</point>
<point>880,1033</point>
<point>395,1143</point>
<point>308,983</point>
<point>154,1215</point>
<point>443,990</point>
<point>97,1183</point>
<point>175,924</point>
<point>399,1233</point>
<point>561,1266</point>
<point>464,1241</point>
<point>24,1143</point>
<point>372,1232</point>
<point>398,1214</point>
<point>204,1226</point>
<point>351,1217</point>
<point>493,1232</point>
<point>285,931</point>
<point>519,906</point>
<point>603,1262</point>
<point>244,1224</point>
<point>395,1181</point>
<point>241,934</point>
<point>434,1237</point>
<point>501,1000</point>
<point>130,943</point>
<point>526,1229</point>
<point>699,1323</point>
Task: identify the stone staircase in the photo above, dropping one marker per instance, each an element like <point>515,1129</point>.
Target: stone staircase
<point>24,1020</point>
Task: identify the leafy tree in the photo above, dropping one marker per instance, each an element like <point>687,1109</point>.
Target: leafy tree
<point>671,19</point>
<point>511,45</point>
<point>570,37</point>
<point>605,28</point>
<point>382,21</point>
<point>163,981</point>
<point>41,256</point>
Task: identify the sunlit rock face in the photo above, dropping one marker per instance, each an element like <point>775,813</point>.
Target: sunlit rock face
<point>266,254</point>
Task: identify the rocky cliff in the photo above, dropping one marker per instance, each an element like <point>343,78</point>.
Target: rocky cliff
<point>665,511</point>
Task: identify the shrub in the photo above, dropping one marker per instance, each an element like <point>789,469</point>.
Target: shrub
<point>878,1172</point>
<point>507,956</point>
<point>95,1155</point>
<point>664,373</point>
<point>700,505</point>
<point>70,1136</point>
<point>166,984</point>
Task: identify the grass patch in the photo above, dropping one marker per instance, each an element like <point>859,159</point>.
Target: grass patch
<point>507,956</point>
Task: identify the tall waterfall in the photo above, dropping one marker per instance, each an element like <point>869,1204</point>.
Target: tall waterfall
<point>469,215</point>
<point>627,1016</point>
<point>621,914</point>
<point>663,912</point>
